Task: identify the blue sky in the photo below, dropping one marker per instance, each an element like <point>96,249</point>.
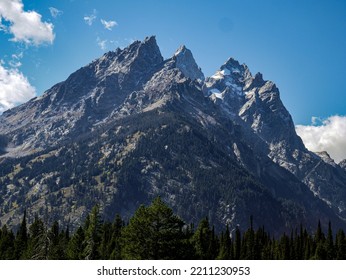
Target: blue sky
<point>298,44</point>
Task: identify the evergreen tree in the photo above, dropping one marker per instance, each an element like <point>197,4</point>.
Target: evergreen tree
<point>319,244</point>
<point>340,245</point>
<point>115,243</point>
<point>106,238</point>
<point>93,235</point>
<point>21,241</point>
<point>203,240</point>
<point>153,232</point>
<point>319,235</point>
<point>248,246</point>
<point>58,241</point>
<point>76,243</point>
<point>320,252</point>
<point>7,243</point>
<point>226,249</point>
<point>330,244</point>
<point>284,248</point>
<point>237,244</point>
<point>39,241</point>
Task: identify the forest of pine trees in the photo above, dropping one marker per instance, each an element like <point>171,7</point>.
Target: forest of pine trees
<point>155,232</point>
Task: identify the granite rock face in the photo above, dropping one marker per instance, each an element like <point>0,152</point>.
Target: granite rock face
<point>342,164</point>
<point>131,126</point>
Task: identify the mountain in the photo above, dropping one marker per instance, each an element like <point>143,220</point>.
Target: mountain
<point>342,164</point>
<point>131,126</point>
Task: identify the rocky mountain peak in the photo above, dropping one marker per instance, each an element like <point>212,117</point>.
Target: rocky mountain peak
<point>342,164</point>
<point>186,63</point>
<point>150,46</point>
<point>233,67</point>
<point>140,55</point>
<point>326,158</point>
<point>256,81</point>
<point>181,50</point>
<point>233,63</point>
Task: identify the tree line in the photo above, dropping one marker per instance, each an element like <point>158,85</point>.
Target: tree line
<point>155,232</point>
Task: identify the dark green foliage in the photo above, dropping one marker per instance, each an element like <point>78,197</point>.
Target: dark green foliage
<point>39,241</point>
<point>115,243</point>
<point>155,232</point>
<point>75,246</point>
<point>340,245</point>
<point>7,241</point>
<point>226,246</point>
<point>21,241</point>
<point>205,242</point>
<point>58,241</point>
<point>93,235</point>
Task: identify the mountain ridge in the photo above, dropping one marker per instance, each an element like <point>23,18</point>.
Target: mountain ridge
<point>132,125</point>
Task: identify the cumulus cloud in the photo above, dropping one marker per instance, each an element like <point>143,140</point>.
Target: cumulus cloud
<point>89,20</point>
<point>14,88</point>
<point>15,60</point>
<point>25,26</point>
<point>101,43</point>
<point>55,12</point>
<point>325,135</point>
<point>108,24</point>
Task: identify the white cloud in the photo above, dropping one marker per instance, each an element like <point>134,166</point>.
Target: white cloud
<point>18,56</point>
<point>102,43</point>
<point>89,20</point>
<point>25,26</point>
<point>109,24</point>
<point>15,61</point>
<point>14,88</point>
<point>329,136</point>
<point>55,12</point>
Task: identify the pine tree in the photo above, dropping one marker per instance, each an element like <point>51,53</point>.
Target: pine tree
<point>76,245</point>
<point>248,247</point>
<point>58,241</point>
<point>106,246</point>
<point>284,248</point>
<point>115,243</point>
<point>203,240</point>
<point>237,244</point>
<point>39,240</point>
<point>319,235</point>
<point>330,243</point>
<point>93,235</point>
<point>319,242</point>
<point>340,245</point>
<point>21,241</point>
<point>226,248</point>
<point>7,241</point>
<point>153,232</point>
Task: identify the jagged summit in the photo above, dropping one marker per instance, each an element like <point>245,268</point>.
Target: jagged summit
<point>187,64</point>
<point>254,82</point>
<point>233,65</point>
<point>342,164</point>
<point>326,158</point>
<point>181,50</point>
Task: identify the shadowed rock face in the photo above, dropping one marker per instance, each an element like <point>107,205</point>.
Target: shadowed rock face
<point>187,64</point>
<point>342,164</point>
<point>131,126</point>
